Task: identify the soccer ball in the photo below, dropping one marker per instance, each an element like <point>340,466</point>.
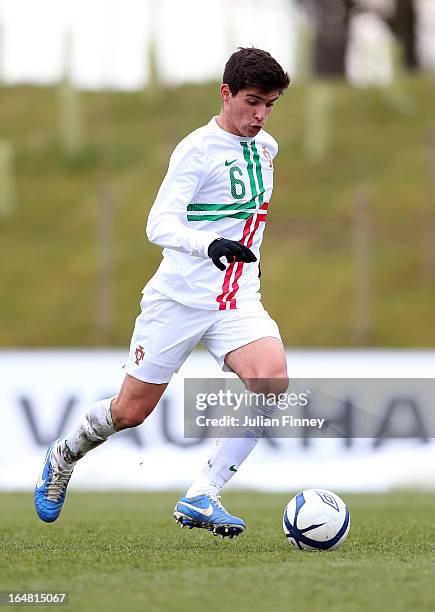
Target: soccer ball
<point>316,519</point>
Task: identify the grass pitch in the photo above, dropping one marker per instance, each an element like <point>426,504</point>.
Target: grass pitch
<point>123,551</point>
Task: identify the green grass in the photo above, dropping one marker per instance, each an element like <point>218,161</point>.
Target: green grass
<point>118,551</point>
<point>47,249</point>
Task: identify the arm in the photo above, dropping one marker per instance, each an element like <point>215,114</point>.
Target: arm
<point>166,221</point>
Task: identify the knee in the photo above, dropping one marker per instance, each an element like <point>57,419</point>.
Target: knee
<point>271,383</point>
<point>130,415</point>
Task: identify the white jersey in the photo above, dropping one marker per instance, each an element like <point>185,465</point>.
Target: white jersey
<point>217,185</point>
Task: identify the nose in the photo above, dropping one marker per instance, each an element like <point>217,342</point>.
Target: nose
<point>260,113</point>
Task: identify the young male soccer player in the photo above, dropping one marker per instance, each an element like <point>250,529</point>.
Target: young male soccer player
<point>212,205</point>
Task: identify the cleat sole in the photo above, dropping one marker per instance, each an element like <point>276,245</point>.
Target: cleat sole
<point>229,530</point>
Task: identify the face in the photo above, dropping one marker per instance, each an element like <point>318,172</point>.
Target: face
<point>246,113</point>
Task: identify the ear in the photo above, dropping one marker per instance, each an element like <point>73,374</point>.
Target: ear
<point>225,92</point>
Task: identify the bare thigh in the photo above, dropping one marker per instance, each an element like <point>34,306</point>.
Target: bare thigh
<point>261,365</point>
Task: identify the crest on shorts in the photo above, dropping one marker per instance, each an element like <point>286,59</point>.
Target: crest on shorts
<point>139,354</point>
<point>268,156</point>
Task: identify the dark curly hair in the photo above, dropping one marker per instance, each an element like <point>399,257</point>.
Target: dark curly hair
<point>252,67</point>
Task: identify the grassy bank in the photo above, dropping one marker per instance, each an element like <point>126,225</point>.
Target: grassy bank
<point>48,255</point>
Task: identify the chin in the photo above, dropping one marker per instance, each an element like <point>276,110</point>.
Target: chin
<point>248,132</point>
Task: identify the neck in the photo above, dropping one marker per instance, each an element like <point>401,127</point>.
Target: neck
<point>224,124</point>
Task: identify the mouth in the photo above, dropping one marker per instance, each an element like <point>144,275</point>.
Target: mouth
<point>252,130</point>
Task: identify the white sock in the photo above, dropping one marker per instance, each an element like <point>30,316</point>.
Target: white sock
<point>227,456</point>
<point>93,429</point>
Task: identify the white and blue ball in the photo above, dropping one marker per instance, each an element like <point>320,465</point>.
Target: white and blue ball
<point>316,519</point>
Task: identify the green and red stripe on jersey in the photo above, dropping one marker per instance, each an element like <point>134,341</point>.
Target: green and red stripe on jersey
<point>206,211</point>
<point>227,298</point>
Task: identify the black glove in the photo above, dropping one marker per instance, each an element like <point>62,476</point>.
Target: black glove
<point>232,250</point>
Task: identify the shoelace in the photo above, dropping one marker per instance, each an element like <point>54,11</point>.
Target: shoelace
<point>217,500</point>
<point>58,481</point>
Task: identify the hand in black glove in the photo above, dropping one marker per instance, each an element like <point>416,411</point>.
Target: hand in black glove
<point>232,250</point>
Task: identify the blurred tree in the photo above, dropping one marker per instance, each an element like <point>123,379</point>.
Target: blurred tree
<point>403,24</point>
<point>331,26</point>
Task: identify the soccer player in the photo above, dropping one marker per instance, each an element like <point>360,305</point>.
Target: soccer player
<point>209,216</point>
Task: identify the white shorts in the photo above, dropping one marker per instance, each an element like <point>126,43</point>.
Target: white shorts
<point>166,332</point>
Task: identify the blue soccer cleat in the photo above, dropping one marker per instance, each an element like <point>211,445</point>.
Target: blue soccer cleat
<point>206,511</point>
<point>51,487</point>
